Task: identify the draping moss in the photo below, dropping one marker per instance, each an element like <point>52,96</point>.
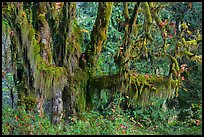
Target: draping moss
<point>140,87</point>
<point>79,86</point>
<point>75,40</point>
<point>145,87</point>
<point>104,82</point>
<point>48,78</point>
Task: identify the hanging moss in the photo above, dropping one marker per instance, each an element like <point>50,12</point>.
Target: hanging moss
<point>151,86</point>
<point>75,40</point>
<point>174,61</point>
<point>140,88</point>
<point>49,79</point>
<point>80,80</point>
<point>78,33</point>
<point>41,18</point>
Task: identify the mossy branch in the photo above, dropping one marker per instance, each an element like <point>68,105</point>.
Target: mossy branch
<point>126,12</point>
<point>130,28</point>
<point>98,33</point>
<point>148,21</point>
<point>134,16</point>
<point>159,23</point>
<point>174,61</point>
<point>105,82</point>
<point>139,87</point>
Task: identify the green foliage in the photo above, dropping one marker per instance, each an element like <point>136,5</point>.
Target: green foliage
<point>180,129</point>
<point>163,120</point>
<point>157,114</point>
<point>114,123</point>
<point>188,12</point>
<point>21,122</point>
<point>86,13</point>
<point>190,99</point>
<point>152,120</point>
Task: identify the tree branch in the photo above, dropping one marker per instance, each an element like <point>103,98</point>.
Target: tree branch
<point>98,33</point>
<point>134,15</point>
<point>126,13</point>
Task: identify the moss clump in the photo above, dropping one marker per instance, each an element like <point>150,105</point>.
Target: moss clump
<point>148,86</point>
<point>78,33</point>
<point>49,79</point>
<point>41,19</point>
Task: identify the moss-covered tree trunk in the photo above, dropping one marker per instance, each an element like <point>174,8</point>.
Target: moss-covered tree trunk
<point>47,40</point>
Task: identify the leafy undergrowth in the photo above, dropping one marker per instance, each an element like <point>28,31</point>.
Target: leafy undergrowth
<point>145,121</point>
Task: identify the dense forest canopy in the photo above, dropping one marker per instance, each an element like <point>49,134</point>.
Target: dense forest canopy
<point>62,59</point>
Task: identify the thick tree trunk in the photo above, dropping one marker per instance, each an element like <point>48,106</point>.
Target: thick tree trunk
<point>57,107</point>
<point>35,44</point>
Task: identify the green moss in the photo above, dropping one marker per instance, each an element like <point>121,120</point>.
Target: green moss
<point>79,85</point>
<point>187,53</point>
<point>192,42</point>
<point>25,31</point>
<point>105,82</point>
<point>41,18</point>
<point>76,39</point>
<point>174,61</point>
<point>80,75</point>
<point>31,35</point>
<point>147,12</point>
<point>148,86</point>
<point>5,27</point>
<point>107,12</point>
<point>156,17</point>
<point>78,33</point>
<point>47,78</point>
<point>183,41</point>
<point>99,32</point>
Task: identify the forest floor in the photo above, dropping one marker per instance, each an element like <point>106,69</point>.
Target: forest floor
<point>20,122</point>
